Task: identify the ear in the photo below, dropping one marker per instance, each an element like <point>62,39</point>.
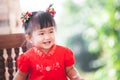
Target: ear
<point>28,37</point>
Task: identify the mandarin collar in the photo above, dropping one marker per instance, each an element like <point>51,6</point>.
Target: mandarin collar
<point>40,52</point>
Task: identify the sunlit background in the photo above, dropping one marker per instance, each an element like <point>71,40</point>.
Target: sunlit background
<point>91,28</point>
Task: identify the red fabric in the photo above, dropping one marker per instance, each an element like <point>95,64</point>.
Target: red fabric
<point>50,66</point>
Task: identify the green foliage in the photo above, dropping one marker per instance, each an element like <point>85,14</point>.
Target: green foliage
<point>97,22</point>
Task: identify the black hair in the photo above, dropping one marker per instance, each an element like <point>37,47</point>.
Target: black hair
<point>39,20</point>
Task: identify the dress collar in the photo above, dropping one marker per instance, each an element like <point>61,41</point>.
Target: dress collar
<point>41,53</point>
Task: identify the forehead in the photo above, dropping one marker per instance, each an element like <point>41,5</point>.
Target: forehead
<point>45,29</point>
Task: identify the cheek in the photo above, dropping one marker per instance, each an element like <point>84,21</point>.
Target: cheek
<point>36,40</point>
<point>53,37</point>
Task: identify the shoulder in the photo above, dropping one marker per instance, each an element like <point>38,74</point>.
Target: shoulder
<point>63,48</point>
<point>68,55</point>
<point>26,54</point>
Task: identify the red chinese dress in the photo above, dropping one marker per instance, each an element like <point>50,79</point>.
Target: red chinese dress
<point>42,66</point>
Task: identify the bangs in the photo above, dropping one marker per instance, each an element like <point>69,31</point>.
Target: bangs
<point>46,20</point>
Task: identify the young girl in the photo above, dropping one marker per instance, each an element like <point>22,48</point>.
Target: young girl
<point>45,60</point>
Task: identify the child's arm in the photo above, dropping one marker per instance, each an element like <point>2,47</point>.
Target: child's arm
<point>20,76</point>
<point>72,73</point>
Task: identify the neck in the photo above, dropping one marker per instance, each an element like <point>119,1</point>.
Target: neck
<point>45,50</point>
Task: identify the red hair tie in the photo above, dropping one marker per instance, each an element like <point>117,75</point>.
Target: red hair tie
<point>25,16</point>
<point>51,10</point>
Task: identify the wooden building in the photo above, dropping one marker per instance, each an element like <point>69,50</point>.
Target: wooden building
<point>10,17</point>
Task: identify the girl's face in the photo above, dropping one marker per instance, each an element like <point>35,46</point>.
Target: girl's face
<point>43,38</point>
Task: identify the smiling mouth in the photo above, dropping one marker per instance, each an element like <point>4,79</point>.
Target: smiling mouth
<point>48,42</point>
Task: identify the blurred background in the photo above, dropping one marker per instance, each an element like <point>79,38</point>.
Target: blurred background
<point>91,28</point>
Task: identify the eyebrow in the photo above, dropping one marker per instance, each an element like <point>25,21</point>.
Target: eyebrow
<point>41,30</point>
<point>51,29</point>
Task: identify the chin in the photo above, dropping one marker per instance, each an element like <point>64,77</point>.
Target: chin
<point>47,47</point>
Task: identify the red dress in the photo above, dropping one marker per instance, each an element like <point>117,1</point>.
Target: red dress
<point>42,66</point>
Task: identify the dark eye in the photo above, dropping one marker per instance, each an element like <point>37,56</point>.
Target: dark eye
<point>41,33</point>
<point>51,31</point>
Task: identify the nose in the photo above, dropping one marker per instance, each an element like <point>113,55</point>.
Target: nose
<point>46,36</point>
